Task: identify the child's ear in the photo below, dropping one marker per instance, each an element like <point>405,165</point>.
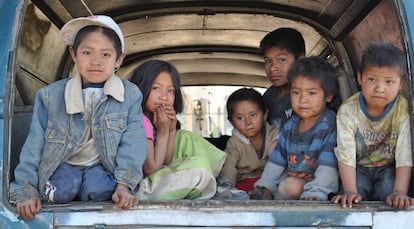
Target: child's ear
<point>231,121</point>
<point>329,98</point>
<point>72,53</point>
<point>265,115</point>
<point>359,78</point>
<point>119,60</point>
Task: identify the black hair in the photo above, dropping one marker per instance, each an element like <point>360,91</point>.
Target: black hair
<point>105,31</point>
<point>284,38</point>
<point>145,75</point>
<point>383,55</point>
<point>317,68</point>
<point>244,94</point>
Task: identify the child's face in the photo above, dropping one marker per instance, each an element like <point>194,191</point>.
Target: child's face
<point>248,119</point>
<point>277,64</point>
<point>96,57</point>
<point>379,85</point>
<point>162,92</point>
<point>308,98</point>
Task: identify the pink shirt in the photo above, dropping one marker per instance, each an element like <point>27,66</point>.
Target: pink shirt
<point>149,132</point>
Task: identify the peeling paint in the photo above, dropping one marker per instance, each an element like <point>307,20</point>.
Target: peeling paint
<point>167,218</point>
<point>9,215</point>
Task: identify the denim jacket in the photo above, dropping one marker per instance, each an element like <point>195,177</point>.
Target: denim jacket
<point>58,127</point>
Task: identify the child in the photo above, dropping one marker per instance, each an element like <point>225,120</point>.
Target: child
<point>374,141</point>
<point>252,141</point>
<point>280,49</point>
<point>180,164</point>
<point>303,165</point>
<point>86,140</point>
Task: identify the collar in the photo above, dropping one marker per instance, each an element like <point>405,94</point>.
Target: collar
<point>74,97</point>
<point>363,107</point>
<point>239,135</point>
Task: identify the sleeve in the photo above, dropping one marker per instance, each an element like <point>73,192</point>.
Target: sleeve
<point>325,182</point>
<point>326,175</point>
<point>132,148</point>
<point>25,185</point>
<point>403,155</point>
<point>229,170</point>
<point>149,131</point>
<point>271,177</point>
<point>346,147</point>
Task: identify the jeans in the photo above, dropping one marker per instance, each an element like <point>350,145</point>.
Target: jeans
<point>375,183</point>
<point>69,183</point>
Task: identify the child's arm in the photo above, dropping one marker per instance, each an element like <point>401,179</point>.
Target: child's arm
<point>346,125</point>
<point>348,178</point>
<point>326,176</point>
<point>169,110</point>
<point>23,191</point>
<point>156,154</point>
<point>132,148</point>
<point>399,198</point>
<point>275,167</point>
<point>170,147</point>
<point>229,170</point>
<point>271,177</point>
<point>325,182</point>
<point>123,197</point>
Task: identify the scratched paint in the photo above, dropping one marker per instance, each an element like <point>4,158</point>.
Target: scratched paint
<point>167,218</point>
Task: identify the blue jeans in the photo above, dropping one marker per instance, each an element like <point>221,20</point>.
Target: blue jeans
<point>375,183</point>
<point>69,183</point>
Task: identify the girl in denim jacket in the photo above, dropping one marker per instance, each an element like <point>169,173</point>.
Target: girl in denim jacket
<point>86,140</point>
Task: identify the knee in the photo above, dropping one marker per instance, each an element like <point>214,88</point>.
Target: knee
<point>291,188</point>
<point>97,185</point>
<point>64,185</point>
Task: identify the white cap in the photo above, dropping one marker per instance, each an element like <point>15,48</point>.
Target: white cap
<point>72,27</point>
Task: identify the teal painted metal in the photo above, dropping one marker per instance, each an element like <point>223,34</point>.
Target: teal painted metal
<point>408,7</point>
<point>8,12</point>
<point>8,9</point>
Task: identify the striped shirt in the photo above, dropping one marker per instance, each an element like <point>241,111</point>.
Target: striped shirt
<point>303,153</point>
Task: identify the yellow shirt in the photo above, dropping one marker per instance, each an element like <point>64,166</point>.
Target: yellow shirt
<point>373,141</point>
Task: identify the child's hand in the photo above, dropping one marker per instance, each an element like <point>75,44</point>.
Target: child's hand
<point>123,197</point>
<point>311,198</point>
<point>172,116</point>
<point>161,119</point>
<point>267,195</point>
<point>347,199</point>
<point>399,200</point>
<point>27,209</point>
<point>261,194</point>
